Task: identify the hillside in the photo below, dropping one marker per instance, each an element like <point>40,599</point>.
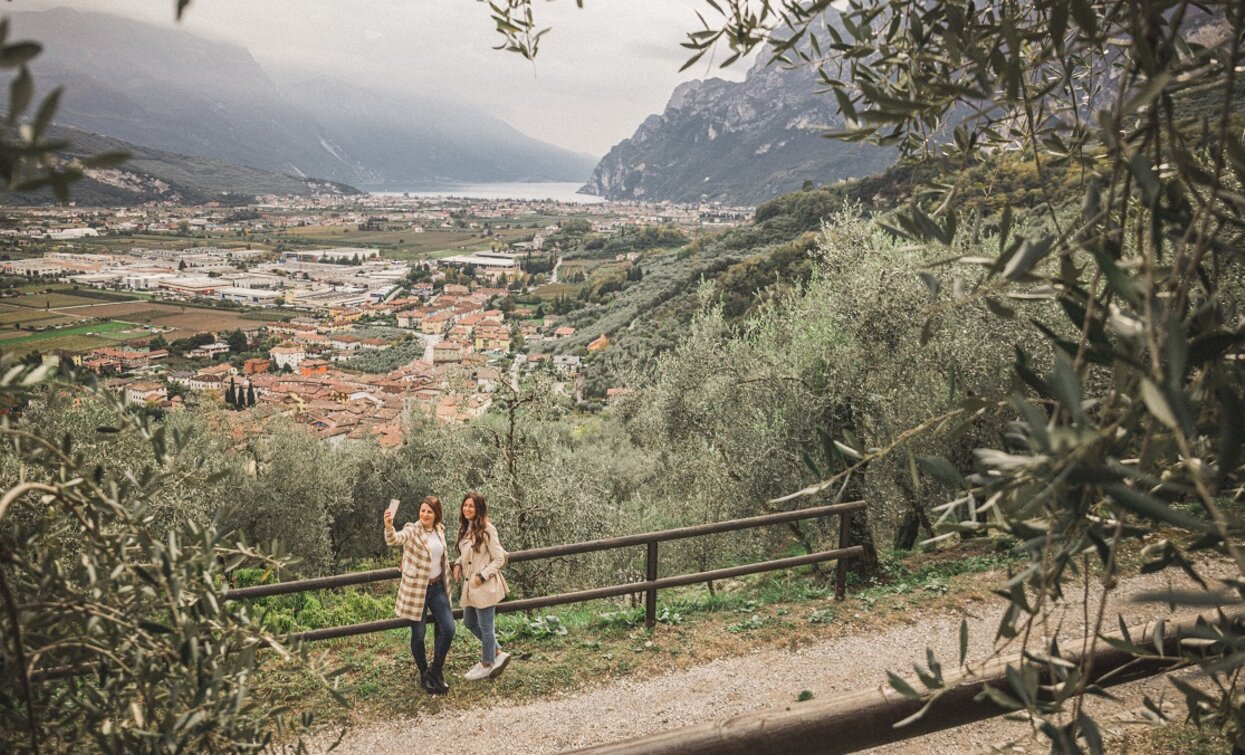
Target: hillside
<point>747,266</point>
<point>736,142</point>
<point>170,90</point>
<point>155,175</point>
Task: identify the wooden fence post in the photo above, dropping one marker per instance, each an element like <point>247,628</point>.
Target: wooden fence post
<point>840,570</point>
<point>650,574</point>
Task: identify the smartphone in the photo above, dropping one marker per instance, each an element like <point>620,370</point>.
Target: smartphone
<point>393,507</point>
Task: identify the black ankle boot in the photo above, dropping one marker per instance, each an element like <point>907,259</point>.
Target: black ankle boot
<point>426,681</point>
<point>438,678</point>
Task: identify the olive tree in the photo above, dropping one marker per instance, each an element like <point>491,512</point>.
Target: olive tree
<point>117,636</point>
<point>1133,424</point>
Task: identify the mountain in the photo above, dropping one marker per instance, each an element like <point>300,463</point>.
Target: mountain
<point>736,142</point>
<point>169,90</point>
<point>405,139</point>
<point>153,175</point>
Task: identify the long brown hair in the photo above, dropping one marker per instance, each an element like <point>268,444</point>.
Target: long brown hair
<point>434,503</point>
<point>475,528</point>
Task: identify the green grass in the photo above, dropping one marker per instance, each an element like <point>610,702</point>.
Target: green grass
<point>8,316</point>
<point>403,244</point>
<point>50,301</point>
<point>1183,738</point>
<point>96,328</point>
<point>552,291</point>
<point>272,315</point>
<point>71,344</point>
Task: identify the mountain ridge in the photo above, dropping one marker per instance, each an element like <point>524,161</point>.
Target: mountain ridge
<point>170,90</point>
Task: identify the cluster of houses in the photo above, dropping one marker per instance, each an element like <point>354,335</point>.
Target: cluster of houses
<point>335,405</point>
<point>301,375</point>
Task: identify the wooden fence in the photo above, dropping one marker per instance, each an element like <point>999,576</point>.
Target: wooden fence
<point>651,584</point>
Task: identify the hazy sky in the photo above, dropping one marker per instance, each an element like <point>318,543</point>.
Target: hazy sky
<point>599,73</point>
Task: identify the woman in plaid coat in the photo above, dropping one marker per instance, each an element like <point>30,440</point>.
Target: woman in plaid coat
<point>422,593</point>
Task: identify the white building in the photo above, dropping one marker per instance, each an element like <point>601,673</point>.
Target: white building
<point>67,234</point>
<point>208,351</point>
<point>566,365</point>
<point>259,297</point>
<point>145,281</point>
<point>142,393</point>
<point>197,286</point>
<point>34,268</point>
<point>287,356</point>
<point>97,280</point>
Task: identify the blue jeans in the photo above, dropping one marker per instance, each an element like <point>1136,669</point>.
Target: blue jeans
<point>436,605</point>
<point>480,622</point>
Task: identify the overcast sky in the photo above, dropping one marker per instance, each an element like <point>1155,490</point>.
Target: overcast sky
<point>599,73</point>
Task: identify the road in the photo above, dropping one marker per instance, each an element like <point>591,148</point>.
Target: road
<point>767,679</point>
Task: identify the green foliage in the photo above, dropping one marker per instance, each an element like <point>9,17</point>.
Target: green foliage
<point>156,660</point>
<point>1131,422</point>
<point>823,616</point>
<point>752,623</point>
<point>331,608</point>
<point>537,628</point>
<point>387,359</point>
<point>237,342</point>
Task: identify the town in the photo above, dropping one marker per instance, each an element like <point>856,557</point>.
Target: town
<point>347,314</point>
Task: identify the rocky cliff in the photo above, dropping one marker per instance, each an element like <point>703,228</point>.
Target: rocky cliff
<point>736,142</point>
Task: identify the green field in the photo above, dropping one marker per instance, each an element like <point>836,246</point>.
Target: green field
<point>403,244</point>
<point>73,344</point>
<point>89,330</point>
<point>50,301</point>
<point>274,315</point>
<point>10,315</point>
<point>552,291</point>
<point>164,241</point>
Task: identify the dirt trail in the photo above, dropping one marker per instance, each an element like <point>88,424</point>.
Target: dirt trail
<point>769,679</point>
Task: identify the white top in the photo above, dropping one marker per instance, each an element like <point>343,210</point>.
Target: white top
<point>436,549</point>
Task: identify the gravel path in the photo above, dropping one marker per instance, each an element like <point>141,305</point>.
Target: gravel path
<point>767,679</point>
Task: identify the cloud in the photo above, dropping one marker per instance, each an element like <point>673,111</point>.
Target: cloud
<point>600,72</point>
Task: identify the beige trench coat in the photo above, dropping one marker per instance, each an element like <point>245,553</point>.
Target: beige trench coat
<point>416,567</point>
<point>487,562</point>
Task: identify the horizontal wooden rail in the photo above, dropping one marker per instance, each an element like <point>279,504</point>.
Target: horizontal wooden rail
<point>381,575</point>
<point>601,593</point>
<point>867,719</point>
<point>649,586</point>
<point>730,525</point>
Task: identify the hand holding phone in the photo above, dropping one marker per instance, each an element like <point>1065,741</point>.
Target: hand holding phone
<point>392,510</point>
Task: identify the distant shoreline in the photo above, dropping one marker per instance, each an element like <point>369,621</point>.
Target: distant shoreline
<point>563,191</point>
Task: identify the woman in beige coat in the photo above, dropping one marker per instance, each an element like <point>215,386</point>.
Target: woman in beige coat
<point>422,593</point>
<point>479,569</point>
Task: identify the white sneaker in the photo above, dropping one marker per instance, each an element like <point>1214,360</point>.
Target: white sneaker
<point>478,671</point>
<point>499,664</point>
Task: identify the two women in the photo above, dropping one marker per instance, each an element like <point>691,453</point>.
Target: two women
<point>422,593</point>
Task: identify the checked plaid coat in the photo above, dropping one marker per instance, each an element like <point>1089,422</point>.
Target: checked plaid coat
<point>416,567</point>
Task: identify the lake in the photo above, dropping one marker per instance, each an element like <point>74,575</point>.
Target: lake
<point>556,191</point>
